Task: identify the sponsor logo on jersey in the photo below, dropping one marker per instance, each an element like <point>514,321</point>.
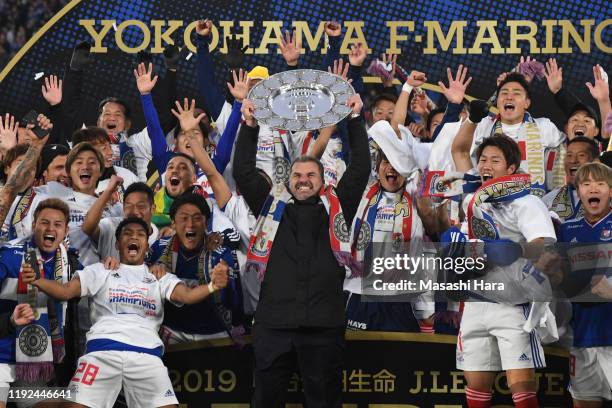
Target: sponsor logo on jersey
<point>357,325</point>
<point>524,357</point>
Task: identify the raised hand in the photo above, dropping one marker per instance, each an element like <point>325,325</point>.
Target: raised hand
<point>290,49</point>
<point>185,115</point>
<point>52,90</point>
<point>114,183</point>
<point>8,132</point>
<point>203,27</point>
<point>248,108</point>
<point>46,125</point>
<point>389,59</point>
<point>416,79</point>
<point>355,103</point>
<point>357,54</point>
<point>333,29</point>
<point>418,130</point>
<point>554,76</point>
<point>22,314</point>
<point>235,52</point>
<point>339,68</point>
<point>456,86</point>
<point>240,89</point>
<point>219,276</point>
<point>144,78</point>
<point>500,78</point>
<point>599,90</point>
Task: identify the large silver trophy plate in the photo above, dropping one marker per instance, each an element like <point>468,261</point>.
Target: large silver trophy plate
<point>302,99</point>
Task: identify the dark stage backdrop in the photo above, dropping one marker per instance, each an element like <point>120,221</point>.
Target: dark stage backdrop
<point>487,36</point>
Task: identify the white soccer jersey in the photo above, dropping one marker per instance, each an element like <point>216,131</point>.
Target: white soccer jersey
<point>107,240</point>
<point>79,205</point>
<point>127,176</point>
<point>440,157</point>
<point>140,143</point>
<point>383,233</point>
<point>127,304</point>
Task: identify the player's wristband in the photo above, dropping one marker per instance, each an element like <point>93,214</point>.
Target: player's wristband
<point>211,288</point>
<point>407,88</point>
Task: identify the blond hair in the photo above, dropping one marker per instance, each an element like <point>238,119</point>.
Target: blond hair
<point>594,171</point>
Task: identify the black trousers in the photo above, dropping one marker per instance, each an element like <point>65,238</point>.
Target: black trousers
<point>318,355</point>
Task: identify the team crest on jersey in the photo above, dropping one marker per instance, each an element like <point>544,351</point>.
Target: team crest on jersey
<point>605,234</point>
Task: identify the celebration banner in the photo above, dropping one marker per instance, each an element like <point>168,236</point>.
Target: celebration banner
<point>488,37</point>
<point>390,370</point>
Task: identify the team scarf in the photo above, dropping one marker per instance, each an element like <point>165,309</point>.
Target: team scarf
<point>262,239</point>
<point>282,160</point>
<point>532,152</point>
<point>365,222</point>
<point>501,189</point>
<point>40,344</point>
<point>555,170</point>
<point>565,205</point>
<point>169,259</point>
<point>21,210</point>
<point>448,184</point>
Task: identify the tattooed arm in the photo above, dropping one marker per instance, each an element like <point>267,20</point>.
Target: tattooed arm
<point>26,170</point>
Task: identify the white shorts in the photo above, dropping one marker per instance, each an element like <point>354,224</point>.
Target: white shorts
<point>101,374</point>
<point>491,338</point>
<point>591,373</point>
<point>7,376</point>
<point>171,336</point>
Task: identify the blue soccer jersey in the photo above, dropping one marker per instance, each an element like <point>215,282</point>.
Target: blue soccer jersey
<point>592,321</point>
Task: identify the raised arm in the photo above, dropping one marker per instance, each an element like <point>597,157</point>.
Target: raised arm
<point>414,80</point>
<point>354,180</point>
<point>454,94</point>
<point>252,184</point>
<point>601,93</point>
<point>462,144</point>
<point>219,278</point>
<point>25,173</point>
<point>91,223</point>
<point>159,148</point>
<point>59,291</point>
<point>318,147</point>
<point>208,89</point>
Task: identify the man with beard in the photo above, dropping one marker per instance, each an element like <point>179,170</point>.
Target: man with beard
<point>564,200</point>
<point>300,246</point>
<point>84,166</point>
<point>123,347</point>
<point>191,255</point>
<point>23,199</point>
<point>179,177</point>
<point>19,361</point>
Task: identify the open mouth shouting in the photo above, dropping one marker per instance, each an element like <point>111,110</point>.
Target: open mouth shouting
<point>190,236</point>
<point>509,107</point>
<point>573,170</point>
<point>133,249</point>
<point>85,177</point>
<point>486,176</point>
<point>175,181</point>
<point>111,126</point>
<point>303,187</point>
<point>580,130</point>
<point>49,239</point>
<point>594,202</point>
